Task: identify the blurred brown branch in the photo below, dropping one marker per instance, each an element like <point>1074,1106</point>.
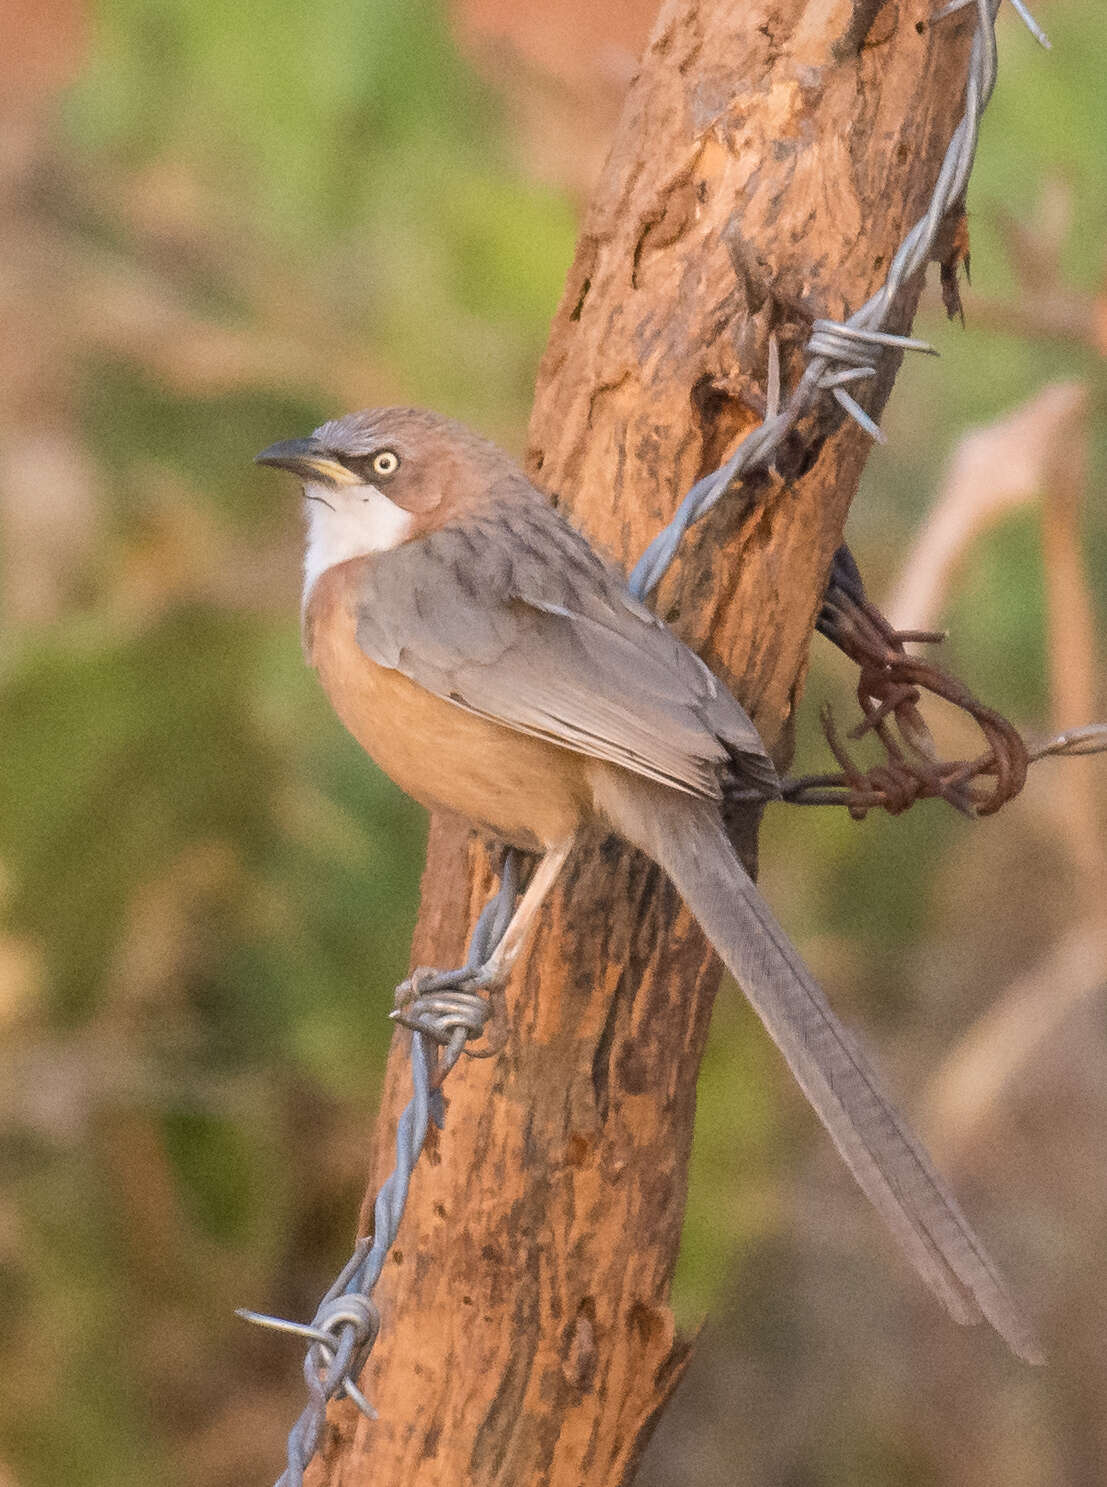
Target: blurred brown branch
<point>284,335</point>
<point>993,471</point>
<point>1038,453</point>
<point>1046,305</point>
<point>972,1080</point>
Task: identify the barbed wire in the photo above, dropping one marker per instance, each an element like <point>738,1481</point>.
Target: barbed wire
<point>893,789</point>
<point>346,1324</point>
<point>446,1009</point>
<point>846,352</point>
<point>890,684</point>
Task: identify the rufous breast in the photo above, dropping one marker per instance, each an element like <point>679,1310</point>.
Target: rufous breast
<point>525,790</point>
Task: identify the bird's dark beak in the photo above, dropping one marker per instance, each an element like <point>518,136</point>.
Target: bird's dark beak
<point>306,458</point>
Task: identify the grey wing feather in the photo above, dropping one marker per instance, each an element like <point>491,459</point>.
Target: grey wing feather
<point>537,632</point>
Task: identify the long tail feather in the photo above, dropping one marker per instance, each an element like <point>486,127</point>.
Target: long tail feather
<point>686,837</point>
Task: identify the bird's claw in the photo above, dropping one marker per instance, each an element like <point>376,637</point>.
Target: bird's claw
<point>488,977</point>
<point>427,981</point>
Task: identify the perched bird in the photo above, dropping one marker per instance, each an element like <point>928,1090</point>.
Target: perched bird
<point>494,664</point>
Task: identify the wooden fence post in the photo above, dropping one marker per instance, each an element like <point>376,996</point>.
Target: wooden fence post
<point>769,160</point>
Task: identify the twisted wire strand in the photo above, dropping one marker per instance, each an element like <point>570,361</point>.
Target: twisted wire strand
<point>442,1014</point>
<point>346,1324</point>
<point>841,352</point>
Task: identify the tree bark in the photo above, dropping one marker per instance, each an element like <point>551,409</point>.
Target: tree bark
<point>769,160</point>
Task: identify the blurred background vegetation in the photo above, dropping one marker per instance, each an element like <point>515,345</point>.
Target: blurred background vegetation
<point>222,224</point>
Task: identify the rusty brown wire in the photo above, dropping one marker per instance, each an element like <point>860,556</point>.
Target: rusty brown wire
<point>890,686</point>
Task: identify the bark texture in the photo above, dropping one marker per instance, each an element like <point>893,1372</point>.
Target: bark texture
<point>770,158</point>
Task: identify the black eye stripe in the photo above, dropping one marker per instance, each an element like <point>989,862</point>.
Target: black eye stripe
<point>362,465</point>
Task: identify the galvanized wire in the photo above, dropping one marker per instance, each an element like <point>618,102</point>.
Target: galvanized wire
<point>445,1009</point>
<point>841,353</point>
<point>345,1327</point>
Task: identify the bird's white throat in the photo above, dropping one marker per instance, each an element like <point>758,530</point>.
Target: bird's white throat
<point>357,520</point>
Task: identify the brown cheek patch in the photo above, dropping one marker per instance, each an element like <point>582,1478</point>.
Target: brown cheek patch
<point>413,491</point>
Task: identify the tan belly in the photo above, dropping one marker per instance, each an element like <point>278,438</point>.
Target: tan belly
<point>525,790</point>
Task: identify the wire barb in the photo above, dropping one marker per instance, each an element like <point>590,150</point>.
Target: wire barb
<point>444,1012</point>
<point>889,687</point>
<point>853,346</point>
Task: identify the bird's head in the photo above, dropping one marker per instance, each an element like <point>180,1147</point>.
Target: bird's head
<point>377,479</point>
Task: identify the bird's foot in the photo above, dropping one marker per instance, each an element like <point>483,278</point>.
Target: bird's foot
<point>427,981</point>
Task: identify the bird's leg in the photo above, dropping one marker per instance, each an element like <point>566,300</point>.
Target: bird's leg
<point>486,967</point>
<point>497,967</point>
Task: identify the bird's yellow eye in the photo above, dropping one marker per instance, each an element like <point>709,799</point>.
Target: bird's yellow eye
<point>385,463</point>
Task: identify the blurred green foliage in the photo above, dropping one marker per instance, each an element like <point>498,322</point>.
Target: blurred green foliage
<point>214,890</point>
<point>349,135</point>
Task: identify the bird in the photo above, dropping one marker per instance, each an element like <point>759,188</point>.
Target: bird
<point>495,665</point>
